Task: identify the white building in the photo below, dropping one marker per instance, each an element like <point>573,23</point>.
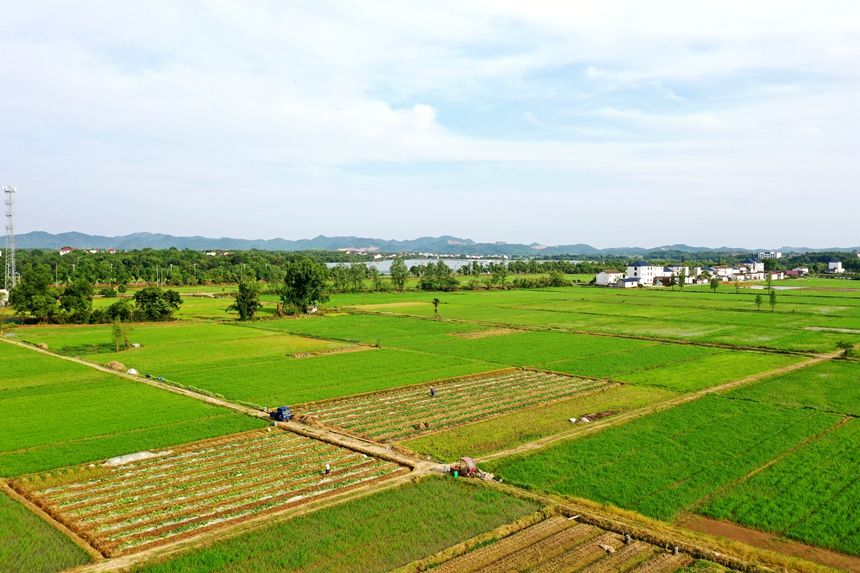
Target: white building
<point>608,278</point>
<point>629,283</point>
<point>801,270</point>
<point>835,267</point>
<point>752,265</point>
<point>770,255</point>
<point>644,271</point>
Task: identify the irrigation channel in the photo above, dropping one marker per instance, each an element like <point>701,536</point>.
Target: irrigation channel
<point>143,528</point>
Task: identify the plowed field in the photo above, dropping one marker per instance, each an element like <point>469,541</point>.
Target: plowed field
<point>407,412</point>
<point>559,544</point>
<point>202,486</point>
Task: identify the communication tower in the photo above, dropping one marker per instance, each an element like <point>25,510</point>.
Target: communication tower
<point>11,274</point>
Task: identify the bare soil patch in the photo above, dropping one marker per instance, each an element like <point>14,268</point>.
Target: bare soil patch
<point>333,351</point>
<point>772,542</point>
<point>486,333</point>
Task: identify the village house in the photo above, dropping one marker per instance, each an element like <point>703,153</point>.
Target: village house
<point>66,250</point>
<point>834,267</point>
<point>777,275</point>
<point>770,255</point>
<point>752,265</point>
<point>645,271</point>
<point>632,282</point>
<point>608,278</point>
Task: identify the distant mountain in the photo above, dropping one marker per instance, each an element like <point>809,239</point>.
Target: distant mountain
<point>442,245</point>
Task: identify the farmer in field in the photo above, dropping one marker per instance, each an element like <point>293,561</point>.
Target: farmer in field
<point>327,468</point>
<point>432,391</point>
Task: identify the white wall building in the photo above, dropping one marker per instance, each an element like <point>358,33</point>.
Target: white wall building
<point>835,267</point>
<point>752,265</point>
<point>644,271</point>
<point>608,278</point>
<point>770,255</point>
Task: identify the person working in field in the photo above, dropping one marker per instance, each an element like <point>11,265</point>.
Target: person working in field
<point>432,391</point>
<point>327,468</point>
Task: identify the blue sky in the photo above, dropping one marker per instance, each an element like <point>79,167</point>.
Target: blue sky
<point>608,123</point>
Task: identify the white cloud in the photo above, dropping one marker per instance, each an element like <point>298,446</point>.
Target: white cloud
<point>199,99</point>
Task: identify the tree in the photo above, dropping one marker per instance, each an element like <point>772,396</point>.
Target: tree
<point>682,278</point>
<point>246,301</point>
<point>304,284</point>
<point>846,347</point>
<point>378,282</point>
<point>672,282</point>
<point>770,265</point>
<point>737,285</point>
<point>35,295</point>
<point>120,335</point>
<point>499,272</point>
<point>77,300</point>
<point>714,283</point>
<point>436,303</point>
<point>121,309</point>
<point>399,273</point>
<point>556,279</point>
<point>155,304</point>
<point>772,299</point>
<point>758,301</point>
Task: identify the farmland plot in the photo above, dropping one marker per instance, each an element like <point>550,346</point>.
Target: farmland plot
<point>832,386</point>
<point>371,534</point>
<point>202,486</point>
<point>407,412</point>
<point>30,545</point>
<point>57,413</point>
<point>559,544</point>
<point>665,462</point>
<point>811,495</point>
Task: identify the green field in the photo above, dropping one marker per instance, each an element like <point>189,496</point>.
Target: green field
<point>811,495</point>
<point>832,386</point>
<point>30,545</point>
<point>295,380</point>
<point>372,534</point>
<point>709,371</point>
<point>724,317</point>
<point>503,432</point>
<point>668,461</point>
<point>57,413</point>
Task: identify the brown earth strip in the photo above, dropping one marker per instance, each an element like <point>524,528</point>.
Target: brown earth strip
<point>770,541</point>
<point>334,351</point>
<point>485,333</point>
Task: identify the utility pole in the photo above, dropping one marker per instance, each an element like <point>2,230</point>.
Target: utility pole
<point>11,279</point>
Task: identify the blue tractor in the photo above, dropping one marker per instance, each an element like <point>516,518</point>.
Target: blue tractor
<point>282,414</point>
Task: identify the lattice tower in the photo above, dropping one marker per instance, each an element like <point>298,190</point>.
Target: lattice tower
<point>11,280</point>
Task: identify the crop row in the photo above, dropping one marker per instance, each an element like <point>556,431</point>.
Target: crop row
<point>559,545</point>
<point>204,485</point>
<point>399,413</point>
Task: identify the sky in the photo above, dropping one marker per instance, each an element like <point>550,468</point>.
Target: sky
<point>611,123</point>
